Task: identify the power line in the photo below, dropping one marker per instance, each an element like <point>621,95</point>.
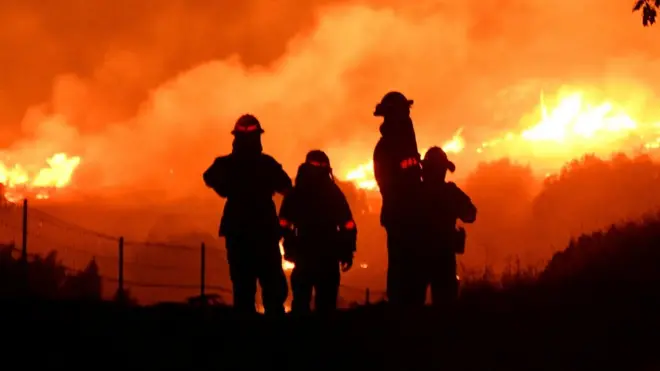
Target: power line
<point>68,225</point>
<point>160,244</point>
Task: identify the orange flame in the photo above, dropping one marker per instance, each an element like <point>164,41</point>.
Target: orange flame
<point>19,181</point>
<point>286,265</point>
<point>363,175</point>
<point>574,127</point>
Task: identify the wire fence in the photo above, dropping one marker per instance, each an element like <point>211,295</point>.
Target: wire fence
<point>151,271</point>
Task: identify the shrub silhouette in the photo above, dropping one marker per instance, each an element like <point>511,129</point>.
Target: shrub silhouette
<point>531,218</point>
<point>626,253</point>
<point>613,266</point>
<point>85,285</point>
<point>46,278</point>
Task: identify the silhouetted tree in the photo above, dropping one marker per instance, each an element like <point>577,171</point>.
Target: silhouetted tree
<point>47,278</point>
<point>649,10</point>
<point>591,193</point>
<point>84,285</point>
<point>627,253</point>
<point>8,271</point>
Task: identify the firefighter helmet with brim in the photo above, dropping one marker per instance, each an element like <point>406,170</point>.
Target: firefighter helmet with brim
<point>247,124</point>
<point>436,157</point>
<point>318,158</point>
<point>392,101</point>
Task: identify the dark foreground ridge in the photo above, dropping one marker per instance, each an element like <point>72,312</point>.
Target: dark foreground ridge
<point>583,332</point>
<point>595,306</point>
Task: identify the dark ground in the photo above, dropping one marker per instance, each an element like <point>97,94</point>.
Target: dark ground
<point>586,331</point>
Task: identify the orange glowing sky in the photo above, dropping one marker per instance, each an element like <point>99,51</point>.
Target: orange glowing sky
<point>146,97</point>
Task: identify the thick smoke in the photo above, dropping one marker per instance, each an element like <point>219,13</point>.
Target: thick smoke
<point>146,94</point>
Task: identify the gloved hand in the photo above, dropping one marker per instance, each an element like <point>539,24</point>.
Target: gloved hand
<point>346,263</point>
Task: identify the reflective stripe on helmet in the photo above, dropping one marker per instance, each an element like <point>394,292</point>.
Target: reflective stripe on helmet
<point>318,164</point>
<point>246,129</point>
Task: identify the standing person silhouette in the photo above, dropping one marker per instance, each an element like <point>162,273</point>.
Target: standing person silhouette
<point>248,179</point>
<point>398,173</point>
<point>445,204</point>
<point>319,235</point>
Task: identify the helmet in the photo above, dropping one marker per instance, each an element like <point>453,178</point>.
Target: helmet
<point>315,167</point>
<point>436,157</point>
<point>247,124</point>
<point>317,158</point>
<point>392,101</point>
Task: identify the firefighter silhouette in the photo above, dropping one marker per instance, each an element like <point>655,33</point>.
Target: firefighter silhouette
<point>319,235</point>
<point>249,179</point>
<point>445,204</point>
<point>397,170</point>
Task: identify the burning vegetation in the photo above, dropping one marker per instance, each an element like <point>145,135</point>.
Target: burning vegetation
<point>570,128</point>
<point>19,181</point>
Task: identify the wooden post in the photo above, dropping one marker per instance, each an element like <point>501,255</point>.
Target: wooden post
<point>24,268</point>
<point>25,231</point>
<point>120,276</point>
<point>202,285</point>
<point>366,297</point>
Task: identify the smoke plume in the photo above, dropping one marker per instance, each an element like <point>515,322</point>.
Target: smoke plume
<point>147,93</point>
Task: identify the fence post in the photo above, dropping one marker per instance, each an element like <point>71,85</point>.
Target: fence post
<point>25,231</point>
<point>120,275</point>
<point>24,268</point>
<point>202,286</point>
<point>366,297</point>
